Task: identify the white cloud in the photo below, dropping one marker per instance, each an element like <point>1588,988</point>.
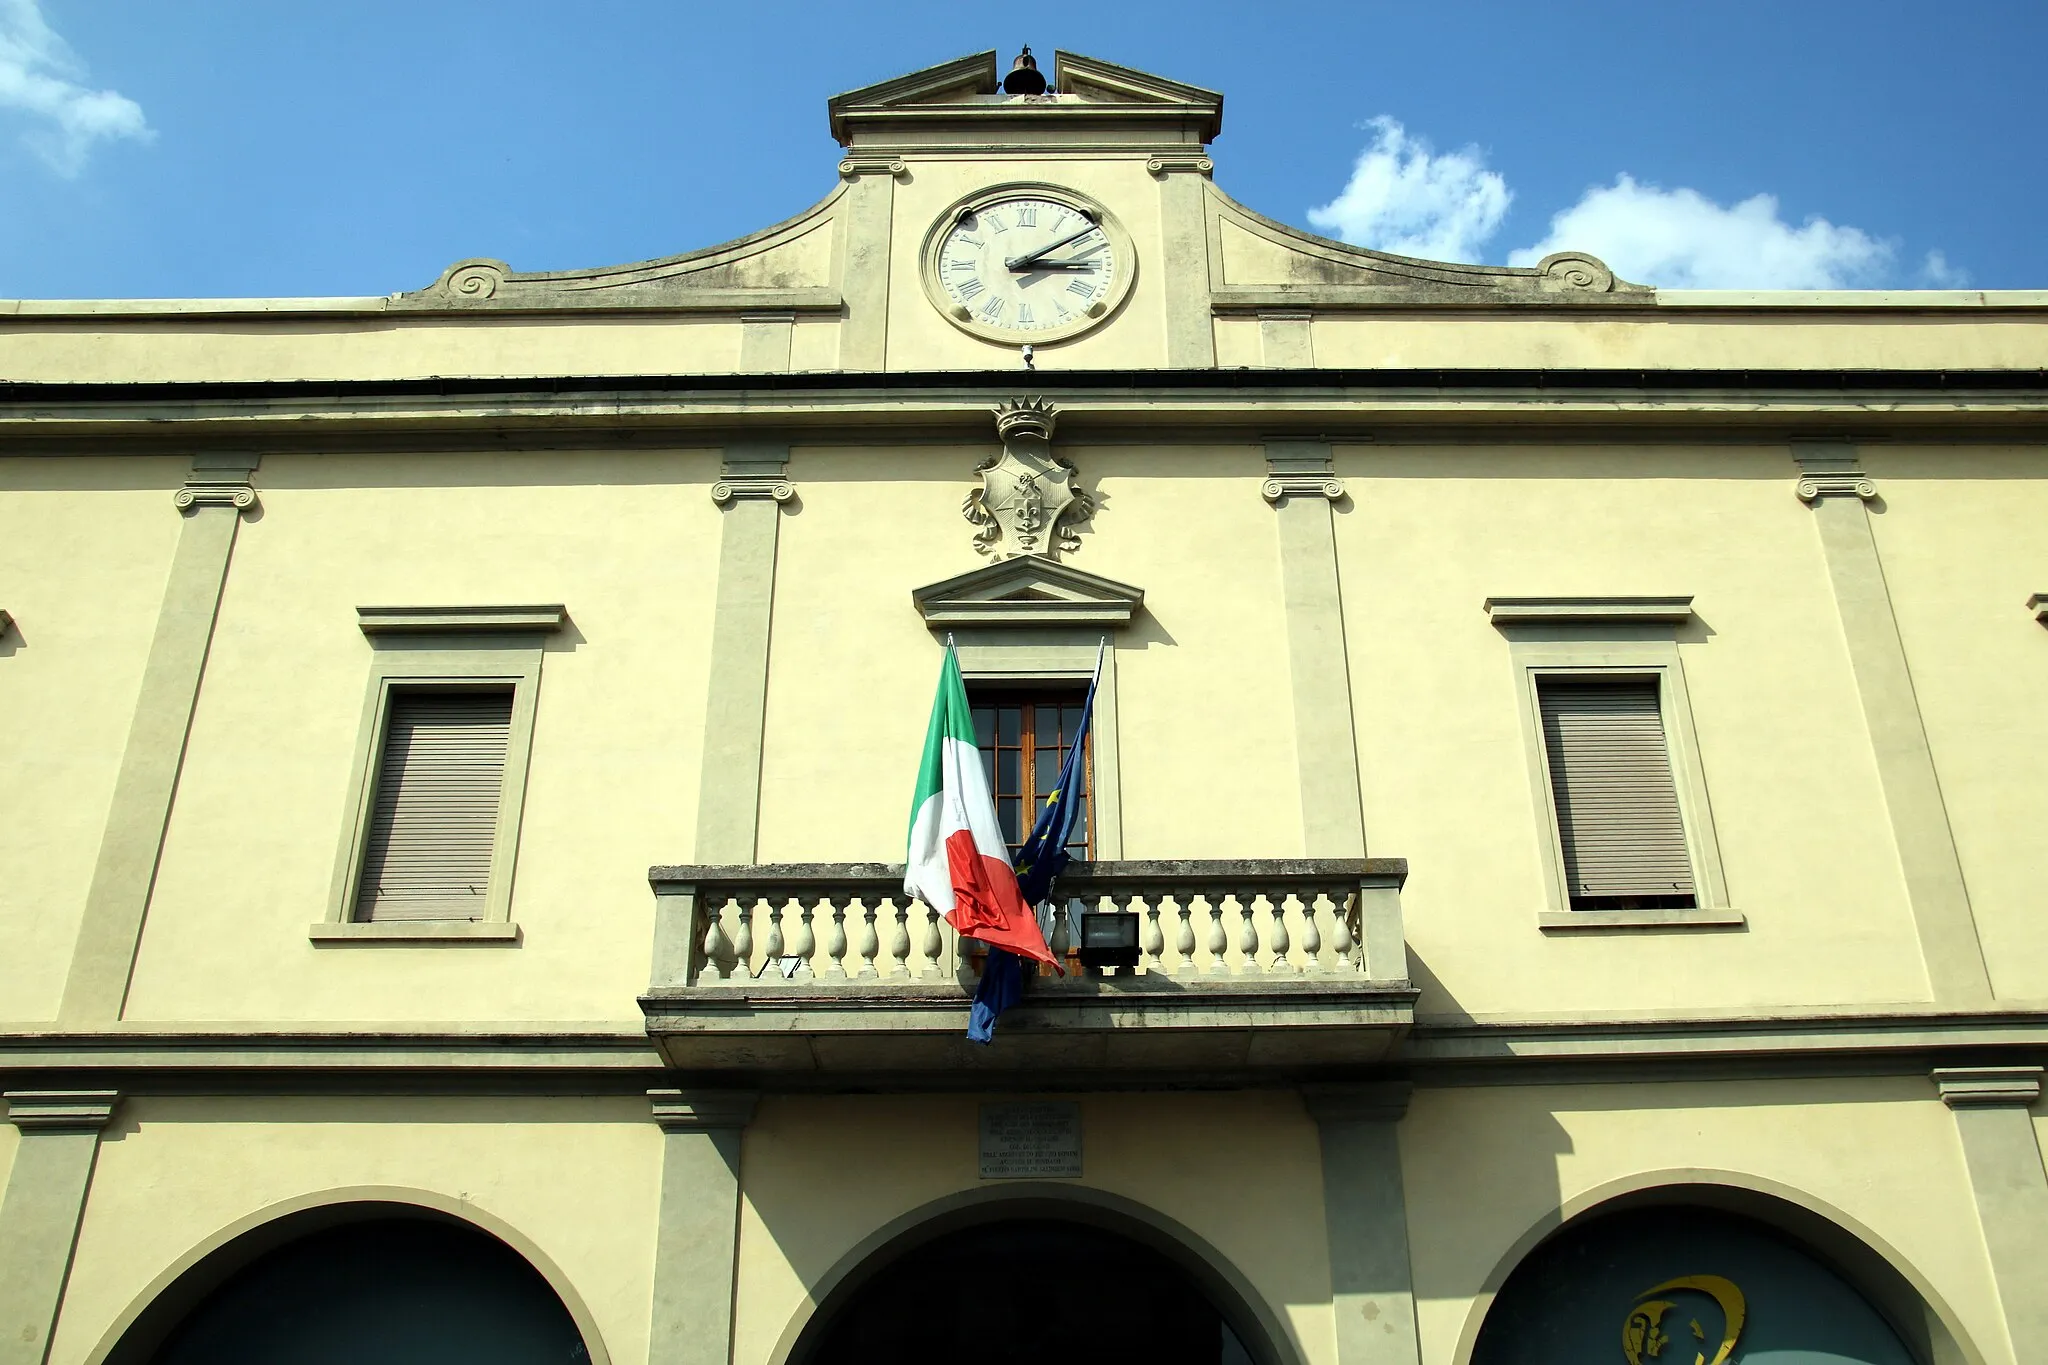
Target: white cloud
<point>1680,239</point>
<point>39,76</point>
<point>1405,198</point>
<point>1937,273</point>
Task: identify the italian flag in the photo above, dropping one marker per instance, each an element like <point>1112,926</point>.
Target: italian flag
<point>957,862</point>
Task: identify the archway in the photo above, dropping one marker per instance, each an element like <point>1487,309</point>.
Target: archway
<point>1026,1284</point>
<point>1660,1276</point>
<point>345,1282</point>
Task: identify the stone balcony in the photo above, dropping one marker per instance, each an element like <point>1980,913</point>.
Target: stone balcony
<point>1254,968</point>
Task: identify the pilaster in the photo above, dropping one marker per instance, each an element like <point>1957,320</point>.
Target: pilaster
<point>751,488</point>
<point>213,500</point>
<point>696,1247</point>
<point>865,230</point>
<point>1833,484</point>
<point>1365,1215</point>
<point>1301,484</point>
<point>1991,1107</point>
<point>1183,177</point>
<point>39,1215</point>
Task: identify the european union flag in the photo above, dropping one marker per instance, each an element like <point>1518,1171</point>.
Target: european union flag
<point>1041,860</point>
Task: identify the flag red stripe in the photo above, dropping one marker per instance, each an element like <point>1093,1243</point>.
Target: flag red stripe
<point>986,903</point>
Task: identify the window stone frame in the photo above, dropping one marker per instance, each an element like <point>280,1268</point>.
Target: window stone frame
<point>1614,638</point>
<point>424,648</point>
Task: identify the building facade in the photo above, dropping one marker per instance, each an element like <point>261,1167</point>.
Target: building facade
<point>1570,751</point>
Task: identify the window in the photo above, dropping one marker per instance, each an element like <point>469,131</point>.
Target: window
<point>1618,824</point>
<point>434,813</point>
<point>1024,739</point>
<point>1626,834</point>
<point>431,837</point>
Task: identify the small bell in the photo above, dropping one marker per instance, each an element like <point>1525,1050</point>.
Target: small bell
<point>1025,77</point>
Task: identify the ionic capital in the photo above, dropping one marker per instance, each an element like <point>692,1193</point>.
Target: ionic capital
<point>727,490</point>
<point>1165,163</point>
<point>1364,1102</point>
<point>1830,470</point>
<point>219,480</point>
<point>701,1111</point>
<point>1300,468</point>
<point>872,163</point>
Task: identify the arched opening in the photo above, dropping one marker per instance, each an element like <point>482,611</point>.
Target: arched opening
<point>344,1283</point>
<point>1660,1277</point>
<point>1024,1290</point>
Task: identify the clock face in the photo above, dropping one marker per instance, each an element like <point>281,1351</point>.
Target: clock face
<point>1025,265</point>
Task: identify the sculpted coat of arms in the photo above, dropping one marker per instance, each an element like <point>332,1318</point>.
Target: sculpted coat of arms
<point>1030,499</point>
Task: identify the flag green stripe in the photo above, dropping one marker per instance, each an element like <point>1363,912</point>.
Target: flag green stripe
<point>951,719</point>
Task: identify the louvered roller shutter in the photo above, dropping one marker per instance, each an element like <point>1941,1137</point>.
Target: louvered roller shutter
<point>1610,777</point>
<point>434,819</point>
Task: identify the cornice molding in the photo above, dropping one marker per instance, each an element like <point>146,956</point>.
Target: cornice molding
<point>699,1111</point>
<point>61,1111</point>
<point>1980,1087</point>
<point>376,621</point>
<point>1611,611</point>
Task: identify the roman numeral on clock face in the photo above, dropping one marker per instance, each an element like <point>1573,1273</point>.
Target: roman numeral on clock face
<point>1027,215</point>
<point>993,309</point>
<point>1024,318</point>
<point>995,224</point>
<point>968,288</point>
<point>1081,288</point>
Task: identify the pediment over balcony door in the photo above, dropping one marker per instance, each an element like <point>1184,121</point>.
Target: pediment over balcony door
<point>1028,591</point>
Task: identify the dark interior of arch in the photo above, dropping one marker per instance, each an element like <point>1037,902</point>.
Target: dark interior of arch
<point>1571,1299</point>
<point>398,1291</point>
<point>1029,1292</point>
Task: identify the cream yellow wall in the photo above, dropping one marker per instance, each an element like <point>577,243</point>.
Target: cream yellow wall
<point>1680,338</point>
<point>377,347</point>
<point>256,346</point>
<point>1240,1171</point>
<point>1484,1167</point>
<point>629,542</point>
<point>1962,532</point>
<point>921,339</point>
<point>174,1173</point>
<point>85,546</point>
<point>1202,686</point>
<point>1429,534</point>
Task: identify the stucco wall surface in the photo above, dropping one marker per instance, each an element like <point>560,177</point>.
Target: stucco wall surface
<point>1486,1169</point>
<point>1960,531</point>
<point>1242,1172</point>
<point>1431,532</point>
<point>85,547</point>
<point>1202,687</point>
<point>628,542</point>
<point>579,1179</point>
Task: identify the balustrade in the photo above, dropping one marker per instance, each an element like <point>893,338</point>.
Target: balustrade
<point>832,926</point>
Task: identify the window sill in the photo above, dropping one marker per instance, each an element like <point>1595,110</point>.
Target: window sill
<point>415,931</point>
<point>1553,921</point>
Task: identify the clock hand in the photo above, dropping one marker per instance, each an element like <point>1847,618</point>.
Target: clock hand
<point>1037,266</point>
<point>1019,262</point>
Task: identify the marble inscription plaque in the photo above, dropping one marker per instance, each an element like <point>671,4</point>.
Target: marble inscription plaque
<point>1031,1141</point>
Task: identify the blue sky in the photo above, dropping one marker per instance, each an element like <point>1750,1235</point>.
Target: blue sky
<point>229,147</point>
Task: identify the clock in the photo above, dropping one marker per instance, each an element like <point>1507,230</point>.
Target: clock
<point>1027,263</point>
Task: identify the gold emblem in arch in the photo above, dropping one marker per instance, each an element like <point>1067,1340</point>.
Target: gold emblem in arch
<point>1643,1336</point>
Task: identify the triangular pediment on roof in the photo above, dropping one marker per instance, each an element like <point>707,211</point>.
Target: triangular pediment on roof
<point>1102,82</point>
<point>952,82</point>
<point>1028,590</point>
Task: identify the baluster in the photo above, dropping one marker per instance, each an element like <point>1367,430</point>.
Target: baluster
<point>1154,942</point>
<point>743,938</point>
<point>899,938</point>
<point>716,947</point>
<point>1341,943</point>
<point>1062,933</point>
<point>805,942</point>
<point>1219,943</point>
<point>867,942</point>
<point>1184,942</point>
<point>835,938</point>
<point>933,945</point>
<point>1278,942</point>
<point>1248,934</point>
<point>772,951</point>
<point>1311,936</point>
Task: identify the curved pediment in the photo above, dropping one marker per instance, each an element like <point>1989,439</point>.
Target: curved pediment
<point>1028,590</point>
<point>785,267</point>
<point>1260,263</point>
